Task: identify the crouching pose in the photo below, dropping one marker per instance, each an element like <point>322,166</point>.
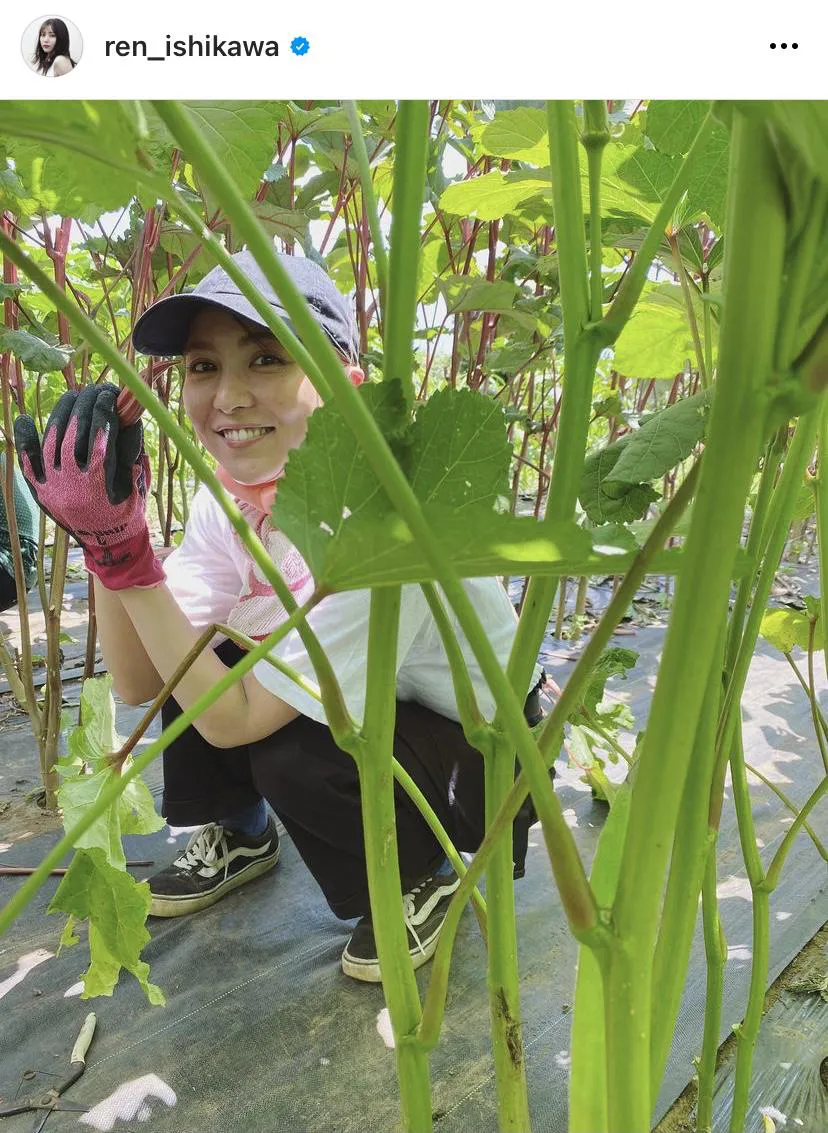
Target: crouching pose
<point>265,740</point>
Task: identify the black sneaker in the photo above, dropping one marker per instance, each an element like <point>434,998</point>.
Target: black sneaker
<point>425,908</point>
<point>215,861</point>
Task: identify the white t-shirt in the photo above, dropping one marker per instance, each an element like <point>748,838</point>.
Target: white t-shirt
<point>213,579</point>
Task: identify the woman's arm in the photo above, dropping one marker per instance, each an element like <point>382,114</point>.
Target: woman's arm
<point>61,65</point>
<point>246,712</point>
<point>134,677</point>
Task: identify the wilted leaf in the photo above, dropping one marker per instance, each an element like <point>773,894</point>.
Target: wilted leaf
<point>116,907</point>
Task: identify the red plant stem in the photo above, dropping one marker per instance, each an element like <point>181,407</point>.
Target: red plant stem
<point>10,363</point>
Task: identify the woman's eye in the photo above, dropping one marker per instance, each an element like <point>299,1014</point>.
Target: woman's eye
<point>270,360</point>
<point>196,367</point>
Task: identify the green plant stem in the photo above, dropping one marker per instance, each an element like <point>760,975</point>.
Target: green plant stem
<point>112,791</point>
<point>630,290</point>
<point>382,859</point>
<point>595,136</point>
<point>756,241</point>
<point>380,254</point>
<point>687,295</point>
<point>775,868</point>
<point>707,318</point>
<point>503,980</point>
<point>581,357</point>
<point>776,527</point>
<point>715,950</point>
<point>792,807</point>
<point>774,451</point>
<point>822,721</point>
<point>748,1030</point>
<point>812,698</point>
<point>411,136</point>
<point>549,743</point>
<point>566,862</point>
<point>678,919</point>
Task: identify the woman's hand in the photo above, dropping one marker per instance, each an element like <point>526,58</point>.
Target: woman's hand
<point>91,476</point>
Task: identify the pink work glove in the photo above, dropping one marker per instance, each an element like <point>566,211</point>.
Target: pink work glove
<point>91,476</point>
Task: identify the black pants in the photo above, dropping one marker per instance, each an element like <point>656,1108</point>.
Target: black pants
<point>314,789</point>
<point>8,590</point>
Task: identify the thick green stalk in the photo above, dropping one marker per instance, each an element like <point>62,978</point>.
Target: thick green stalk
<point>376,782</point>
<point>630,290</point>
<point>588,1070</point>
<point>358,145</point>
<point>756,241</point>
<point>581,356</point>
<point>110,793</point>
<point>334,704</point>
<point>715,950</point>
<point>503,979</point>
<point>411,136</point>
<point>678,919</point>
<point>549,743</point>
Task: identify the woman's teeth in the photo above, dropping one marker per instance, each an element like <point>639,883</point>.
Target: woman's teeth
<point>243,434</point>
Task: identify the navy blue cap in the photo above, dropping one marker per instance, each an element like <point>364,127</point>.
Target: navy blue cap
<point>164,327</point>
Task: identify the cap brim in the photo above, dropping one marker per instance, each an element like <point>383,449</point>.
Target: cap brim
<point>164,327</point>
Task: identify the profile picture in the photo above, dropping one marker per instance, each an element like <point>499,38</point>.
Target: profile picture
<point>52,46</point>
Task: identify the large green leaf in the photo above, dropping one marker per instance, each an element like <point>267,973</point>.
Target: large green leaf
<point>519,134</point>
<point>663,441</point>
<point>459,455</point>
<point>656,342</point>
<point>116,907</point>
<point>372,553</point>
<point>464,294</point>
<point>242,134</point>
<point>65,155</point>
<point>672,125</point>
<point>33,352</point>
<point>613,501</point>
<point>494,194</point>
<point>328,477</point>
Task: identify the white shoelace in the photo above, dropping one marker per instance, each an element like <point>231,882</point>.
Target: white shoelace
<point>408,913</point>
<point>202,848</point>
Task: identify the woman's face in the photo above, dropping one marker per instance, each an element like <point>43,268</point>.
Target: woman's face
<point>235,382</point>
<point>48,39</point>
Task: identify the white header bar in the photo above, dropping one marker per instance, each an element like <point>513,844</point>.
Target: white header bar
<point>330,49</point>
